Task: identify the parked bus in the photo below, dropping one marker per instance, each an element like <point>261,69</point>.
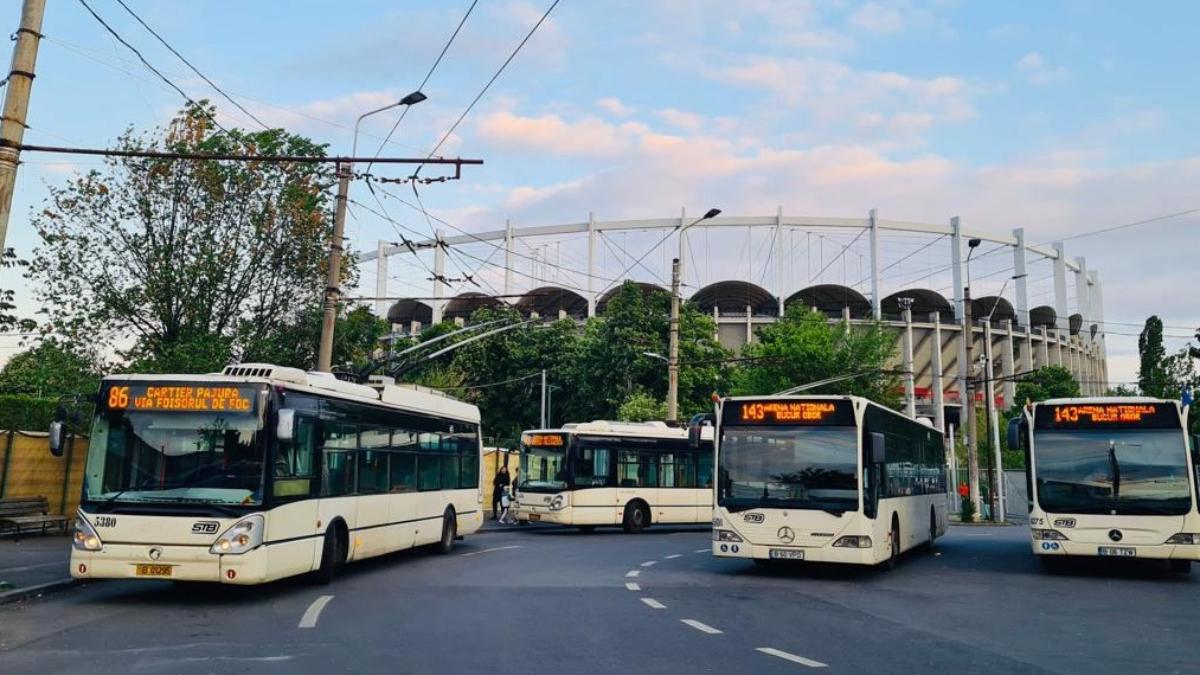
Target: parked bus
<point>614,473</point>
<point>263,472</point>
<point>1110,477</point>
<point>825,479</point>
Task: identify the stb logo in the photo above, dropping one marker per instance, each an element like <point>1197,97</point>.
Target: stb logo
<point>205,527</point>
<point>786,535</point>
<point>753,518</point>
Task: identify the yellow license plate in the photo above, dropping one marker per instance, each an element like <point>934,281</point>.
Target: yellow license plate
<point>535,516</point>
<point>153,570</point>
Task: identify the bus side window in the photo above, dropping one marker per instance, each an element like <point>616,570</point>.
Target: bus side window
<point>704,468</point>
<point>339,443</point>
<point>294,463</point>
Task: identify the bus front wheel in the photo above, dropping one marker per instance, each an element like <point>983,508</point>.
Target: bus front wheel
<point>894,545</point>
<point>449,532</point>
<point>637,517</point>
<point>332,555</point>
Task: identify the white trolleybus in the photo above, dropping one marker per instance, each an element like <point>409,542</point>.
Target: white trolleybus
<point>825,479</point>
<point>262,472</point>
<point>1110,477</point>
<point>615,473</point>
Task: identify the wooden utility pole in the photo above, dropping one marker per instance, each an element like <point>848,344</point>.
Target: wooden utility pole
<point>334,280</point>
<point>16,105</point>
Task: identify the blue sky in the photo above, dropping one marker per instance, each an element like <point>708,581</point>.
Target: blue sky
<point>1059,117</point>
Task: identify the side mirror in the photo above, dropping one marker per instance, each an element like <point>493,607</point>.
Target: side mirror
<point>57,435</point>
<point>695,425</point>
<point>1015,435</point>
<point>878,448</point>
<point>285,426</point>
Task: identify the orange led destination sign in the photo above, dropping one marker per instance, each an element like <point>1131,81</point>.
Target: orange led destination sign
<point>1107,416</point>
<point>543,440</point>
<point>792,412</point>
<point>181,398</point>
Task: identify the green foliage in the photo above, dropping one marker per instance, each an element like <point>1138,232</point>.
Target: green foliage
<point>196,263</point>
<point>22,412</point>
<point>642,407</point>
<point>1152,373</point>
<point>1121,390</point>
<point>1045,383</point>
<point>8,320</point>
<point>804,347</point>
<point>51,369</point>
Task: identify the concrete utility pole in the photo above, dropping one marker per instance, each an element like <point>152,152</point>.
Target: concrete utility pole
<point>969,403</point>
<point>333,281</point>
<point>673,348</point>
<point>543,399</point>
<point>16,105</point>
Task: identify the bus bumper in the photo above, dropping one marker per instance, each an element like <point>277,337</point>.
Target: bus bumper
<point>186,563</point>
<point>819,554</point>
<point>543,515</point>
<point>1152,552</point>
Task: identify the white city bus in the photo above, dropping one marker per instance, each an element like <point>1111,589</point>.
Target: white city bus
<point>1110,477</point>
<point>614,473</point>
<point>263,472</point>
<point>825,479</point>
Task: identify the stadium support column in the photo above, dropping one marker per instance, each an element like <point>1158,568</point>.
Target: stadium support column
<point>1083,306</point>
<point>1027,350</point>
<point>591,280</point>
<point>509,248</point>
<point>1044,348</point>
<point>1060,290</point>
<point>910,388</point>
<point>682,228</point>
<point>935,348</point>
<point>956,265</point>
<point>381,279</point>
<point>1019,274</point>
<point>779,261</point>
<point>1008,366</point>
<point>439,275</point>
<point>1098,310</point>
<point>876,307</point>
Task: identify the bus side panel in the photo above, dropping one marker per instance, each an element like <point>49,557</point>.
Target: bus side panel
<point>703,499</point>
<point>595,506</point>
<point>431,506</point>
<point>468,510</point>
<point>331,508</point>
<point>402,507</point>
<point>294,525</point>
<point>374,536</point>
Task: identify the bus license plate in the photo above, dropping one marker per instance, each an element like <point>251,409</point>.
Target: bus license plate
<point>535,516</point>
<point>153,571</point>
<point>1119,551</point>
<point>786,554</point>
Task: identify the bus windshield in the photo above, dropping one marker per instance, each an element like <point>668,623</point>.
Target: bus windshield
<point>543,468</point>
<point>175,457</point>
<point>798,467</point>
<point>1125,472</point>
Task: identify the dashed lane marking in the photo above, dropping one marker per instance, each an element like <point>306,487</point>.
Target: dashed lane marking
<point>632,574</point>
<point>309,620</point>
<point>702,627</point>
<point>632,586</point>
<point>792,657</point>
<point>674,556</point>
<point>653,604</point>
<point>649,563</point>
<point>489,550</point>
<point>702,550</point>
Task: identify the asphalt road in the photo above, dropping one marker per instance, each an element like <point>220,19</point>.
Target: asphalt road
<point>556,601</point>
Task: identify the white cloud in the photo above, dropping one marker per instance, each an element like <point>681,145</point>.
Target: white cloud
<point>681,119</point>
<point>1031,61</point>
<point>615,106</point>
<point>1039,72</point>
<point>875,17</point>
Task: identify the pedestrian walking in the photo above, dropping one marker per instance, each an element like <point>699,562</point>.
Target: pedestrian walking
<point>506,515</point>
<point>499,485</point>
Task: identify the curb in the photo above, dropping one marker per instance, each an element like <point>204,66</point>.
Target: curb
<point>514,528</point>
<point>37,589</point>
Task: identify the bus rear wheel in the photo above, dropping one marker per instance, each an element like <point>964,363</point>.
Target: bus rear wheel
<point>332,554</point>
<point>1181,566</point>
<point>637,517</point>
<point>449,532</point>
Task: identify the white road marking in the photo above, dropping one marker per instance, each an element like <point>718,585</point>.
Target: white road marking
<point>979,534</point>
<point>672,557</point>
<point>32,567</point>
<point>632,586</point>
<point>702,627</point>
<point>649,563</point>
<point>632,574</point>
<point>792,657</point>
<point>703,550</point>
<point>653,604</point>
<point>309,620</point>
<point>489,550</point>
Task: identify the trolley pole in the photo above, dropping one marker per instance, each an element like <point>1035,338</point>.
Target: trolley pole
<point>333,281</point>
<point>673,347</point>
<point>16,105</point>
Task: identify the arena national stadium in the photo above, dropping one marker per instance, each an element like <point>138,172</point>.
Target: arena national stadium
<point>745,269</point>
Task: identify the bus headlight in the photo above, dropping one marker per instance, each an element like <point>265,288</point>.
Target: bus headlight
<point>85,537</point>
<point>1048,535</point>
<point>853,541</point>
<point>557,503</point>
<point>1184,538</point>
<point>245,535</point>
<point>725,535</point>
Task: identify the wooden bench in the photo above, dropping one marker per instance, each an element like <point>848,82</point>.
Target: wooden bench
<point>28,514</point>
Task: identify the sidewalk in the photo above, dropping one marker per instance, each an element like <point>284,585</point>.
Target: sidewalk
<point>33,563</point>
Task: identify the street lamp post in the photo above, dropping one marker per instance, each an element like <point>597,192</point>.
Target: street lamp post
<point>333,280</point>
<point>673,347</point>
<point>972,435</point>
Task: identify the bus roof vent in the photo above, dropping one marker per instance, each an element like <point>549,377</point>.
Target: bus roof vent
<point>267,371</point>
<point>330,382</point>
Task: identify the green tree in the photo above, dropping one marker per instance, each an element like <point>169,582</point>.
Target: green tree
<point>803,346</point>
<point>1045,383</point>
<point>51,369</point>
<point>1153,379</point>
<point>642,407</point>
<point>9,321</point>
<point>356,339</point>
<point>195,263</point>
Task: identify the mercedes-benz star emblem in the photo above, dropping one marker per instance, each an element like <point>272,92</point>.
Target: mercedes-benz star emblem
<point>786,535</point>
<point>1115,535</point>
<point>155,553</point>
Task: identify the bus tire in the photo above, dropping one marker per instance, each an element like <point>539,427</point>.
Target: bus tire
<point>637,517</point>
<point>932,528</point>
<point>893,544</point>
<point>449,531</point>
<point>333,554</point>
<point>1180,566</point>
